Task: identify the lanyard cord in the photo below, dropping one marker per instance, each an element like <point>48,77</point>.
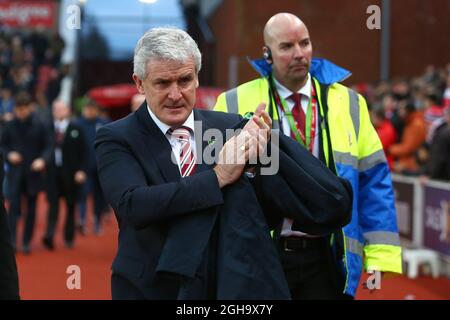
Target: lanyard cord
<point>307,139</point>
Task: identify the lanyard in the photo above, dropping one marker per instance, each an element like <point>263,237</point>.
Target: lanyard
<point>310,130</point>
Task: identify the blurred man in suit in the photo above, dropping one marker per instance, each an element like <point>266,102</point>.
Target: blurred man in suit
<point>27,146</point>
<point>65,172</point>
<point>90,122</point>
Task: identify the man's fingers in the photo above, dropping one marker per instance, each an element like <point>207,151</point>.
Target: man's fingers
<point>267,119</point>
<point>259,109</point>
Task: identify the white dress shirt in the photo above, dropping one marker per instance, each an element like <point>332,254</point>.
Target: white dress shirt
<point>174,142</point>
<point>60,126</point>
<point>305,93</point>
<point>285,93</point>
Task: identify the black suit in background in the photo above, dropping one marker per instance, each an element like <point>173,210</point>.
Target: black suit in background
<point>61,181</point>
<point>31,140</point>
<point>150,201</point>
<point>9,283</point>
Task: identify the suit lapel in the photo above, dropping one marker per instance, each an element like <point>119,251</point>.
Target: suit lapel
<point>201,144</point>
<point>157,144</point>
<point>160,148</point>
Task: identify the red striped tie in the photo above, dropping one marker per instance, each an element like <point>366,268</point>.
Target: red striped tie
<point>187,156</point>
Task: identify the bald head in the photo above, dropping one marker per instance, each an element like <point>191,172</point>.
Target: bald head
<point>287,38</point>
<point>60,110</point>
<point>280,23</point>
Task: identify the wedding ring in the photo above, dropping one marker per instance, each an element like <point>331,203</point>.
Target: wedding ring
<point>244,147</point>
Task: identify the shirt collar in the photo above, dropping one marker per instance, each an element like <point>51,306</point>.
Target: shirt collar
<point>61,124</point>
<point>285,93</point>
<point>164,127</point>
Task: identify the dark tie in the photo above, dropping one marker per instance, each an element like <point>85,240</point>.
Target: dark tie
<point>59,136</point>
<point>298,113</point>
<point>187,156</point>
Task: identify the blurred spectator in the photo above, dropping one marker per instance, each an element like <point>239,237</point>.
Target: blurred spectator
<point>434,114</point>
<point>385,131</point>
<point>26,144</point>
<point>20,78</point>
<point>446,98</point>
<point>431,75</point>
<point>412,138</point>
<point>381,89</point>
<point>65,172</point>
<point>42,111</point>
<point>89,123</point>
<point>40,44</point>
<point>390,107</point>
<point>400,90</point>
<point>438,165</point>
<point>54,85</point>
<point>6,104</point>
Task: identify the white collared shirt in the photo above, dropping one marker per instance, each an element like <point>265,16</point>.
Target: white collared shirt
<point>61,126</point>
<point>174,142</point>
<point>305,93</point>
<point>285,93</point>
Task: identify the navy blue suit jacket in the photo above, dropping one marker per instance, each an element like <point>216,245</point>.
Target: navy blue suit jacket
<point>150,199</point>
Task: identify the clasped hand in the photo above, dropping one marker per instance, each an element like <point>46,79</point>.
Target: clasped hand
<point>244,147</point>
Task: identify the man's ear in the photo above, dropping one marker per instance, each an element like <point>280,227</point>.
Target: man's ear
<point>196,83</point>
<point>267,54</point>
<point>139,84</point>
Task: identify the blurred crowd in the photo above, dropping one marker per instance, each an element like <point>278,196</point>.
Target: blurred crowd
<point>412,118</point>
<point>45,147</point>
<point>30,62</point>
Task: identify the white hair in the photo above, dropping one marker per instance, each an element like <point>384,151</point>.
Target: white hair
<point>165,43</point>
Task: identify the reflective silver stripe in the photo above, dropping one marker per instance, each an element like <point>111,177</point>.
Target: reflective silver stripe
<point>345,158</point>
<point>354,246</point>
<point>372,160</point>
<point>231,99</point>
<point>382,237</point>
<point>354,110</point>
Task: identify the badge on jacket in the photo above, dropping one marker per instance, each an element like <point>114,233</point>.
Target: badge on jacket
<point>74,134</point>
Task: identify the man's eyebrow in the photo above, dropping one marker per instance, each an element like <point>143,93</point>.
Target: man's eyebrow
<point>161,79</point>
<point>290,42</point>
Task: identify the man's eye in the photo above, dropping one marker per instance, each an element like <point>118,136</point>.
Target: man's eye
<point>162,83</point>
<point>185,80</point>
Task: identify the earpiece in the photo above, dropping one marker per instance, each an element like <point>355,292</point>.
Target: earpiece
<point>267,54</point>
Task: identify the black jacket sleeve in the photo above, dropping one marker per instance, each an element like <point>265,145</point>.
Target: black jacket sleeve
<point>9,283</point>
<point>305,190</point>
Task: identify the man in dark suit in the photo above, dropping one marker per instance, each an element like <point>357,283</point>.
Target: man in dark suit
<point>151,172</point>
<point>65,172</point>
<point>27,147</point>
<point>89,122</point>
<point>9,283</point>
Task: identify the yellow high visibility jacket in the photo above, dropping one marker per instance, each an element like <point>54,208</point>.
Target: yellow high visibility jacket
<point>371,239</point>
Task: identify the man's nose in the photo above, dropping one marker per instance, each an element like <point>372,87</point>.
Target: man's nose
<point>298,51</point>
<point>174,92</point>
